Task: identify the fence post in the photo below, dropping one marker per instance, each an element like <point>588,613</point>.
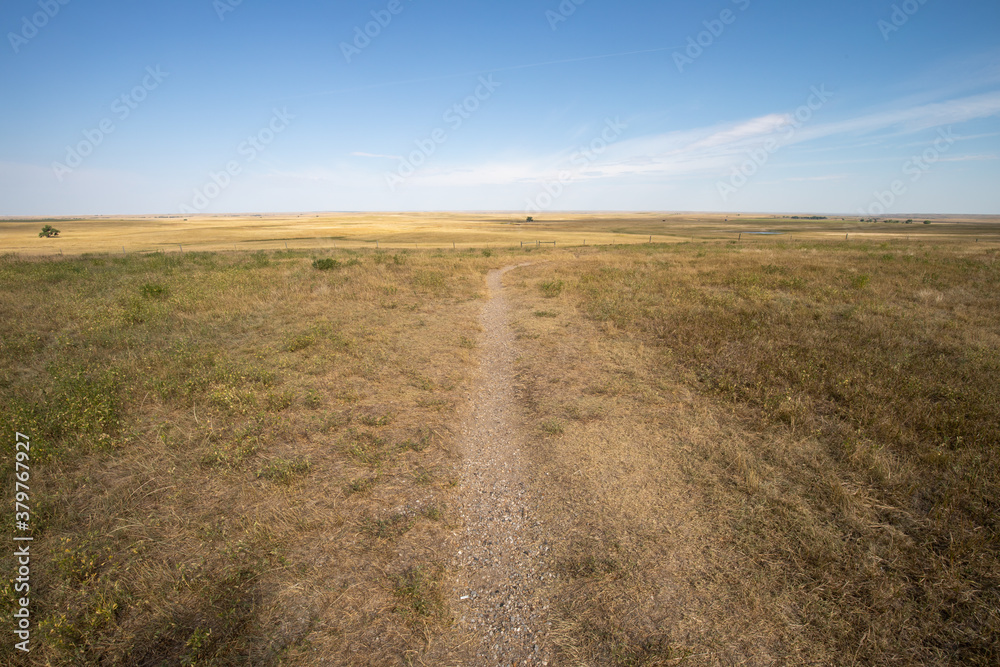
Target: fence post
<point>181,247</point>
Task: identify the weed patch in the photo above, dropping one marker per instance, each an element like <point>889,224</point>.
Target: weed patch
<point>284,470</point>
<point>417,589</point>
<point>553,427</point>
<point>389,528</point>
<point>551,288</point>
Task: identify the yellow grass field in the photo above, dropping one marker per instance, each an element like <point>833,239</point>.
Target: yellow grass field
<point>143,234</point>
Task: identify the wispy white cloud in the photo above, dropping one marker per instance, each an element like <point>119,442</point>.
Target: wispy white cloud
<point>714,149</point>
<point>831,177</point>
<point>911,120</point>
<point>375,155</point>
<point>637,163</point>
<point>968,158</point>
<point>750,129</point>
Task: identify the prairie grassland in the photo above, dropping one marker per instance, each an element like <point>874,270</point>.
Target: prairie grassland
<point>777,452</point>
<point>325,231</point>
<point>236,459</point>
<point>769,454</point>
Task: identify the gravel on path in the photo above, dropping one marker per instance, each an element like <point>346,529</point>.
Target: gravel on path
<point>500,574</point>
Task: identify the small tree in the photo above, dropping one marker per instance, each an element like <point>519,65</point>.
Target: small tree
<point>48,231</point>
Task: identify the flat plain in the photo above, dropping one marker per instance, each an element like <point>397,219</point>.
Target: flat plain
<point>738,448</point>
<point>327,231</point>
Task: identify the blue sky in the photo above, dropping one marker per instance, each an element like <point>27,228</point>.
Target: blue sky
<point>220,106</point>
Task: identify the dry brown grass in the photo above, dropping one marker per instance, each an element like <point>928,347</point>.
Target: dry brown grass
<point>762,453</point>
<point>772,453</point>
<point>237,459</point>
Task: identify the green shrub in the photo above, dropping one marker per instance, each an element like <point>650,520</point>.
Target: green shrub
<point>326,264</point>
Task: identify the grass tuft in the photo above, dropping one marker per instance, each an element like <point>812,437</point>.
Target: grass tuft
<point>153,291</point>
<point>553,427</point>
<point>417,588</point>
<point>551,288</point>
<point>361,485</point>
<point>389,528</point>
<point>284,471</point>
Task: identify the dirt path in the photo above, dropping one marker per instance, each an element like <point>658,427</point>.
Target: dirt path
<point>499,602</point>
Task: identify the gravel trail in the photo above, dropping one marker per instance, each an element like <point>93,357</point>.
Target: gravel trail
<point>500,602</point>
